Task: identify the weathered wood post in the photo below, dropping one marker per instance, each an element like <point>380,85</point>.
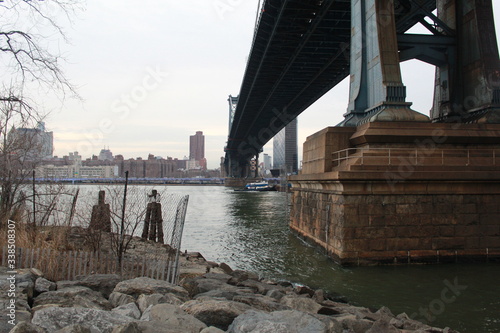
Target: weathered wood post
<point>101,215</point>
<point>153,223</point>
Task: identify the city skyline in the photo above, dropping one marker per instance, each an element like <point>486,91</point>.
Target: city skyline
<point>150,75</point>
<point>196,152</point>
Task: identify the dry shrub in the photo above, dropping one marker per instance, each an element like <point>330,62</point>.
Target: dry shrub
<point>43,244</point>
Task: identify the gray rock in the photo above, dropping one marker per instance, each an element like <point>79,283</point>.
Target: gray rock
<point>103,283</point>
<point>319,295</point>
<point>211,329</point>
<point>303,304</point>
<point>225,267</point>
<point>23,315</point>
<point>144,301</point>
<point>26,327</point>
<point>127,328</point>
<point>290,321</point>
<point>77,296</point>
<point>117,299</point>
<point>40,307</point>
<point>259,302</point>
<point>276,294</point>
<point>331,323</point>
<point>402,321</point>
<point>146,314</point>
<point>215,313</point>
<point>259,287</point>
<point>217,294</point>
<point>156,327</point>
<point>5,327</point>
<point>228,292</point>
<point>173,317</point>
<point>353,324</point>
<point>76,328</point>
<point>24,281</point>
<point>239,276</point>
<point>218,276</point>
<point>203,285</point>
<point>145,285</point>
<point>66,284</point>
<point>382,326</point>
<point>129,310</point>
<point>56,318</point>
<point>43,285</point>
<point>8,321</point>
<point>304,290</point>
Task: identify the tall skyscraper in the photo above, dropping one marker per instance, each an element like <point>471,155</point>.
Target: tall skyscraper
<point>285,150</point>
<point>197,149</point>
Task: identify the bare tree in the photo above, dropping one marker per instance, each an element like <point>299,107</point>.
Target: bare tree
<point>30,70</point>
<point>128,211</point>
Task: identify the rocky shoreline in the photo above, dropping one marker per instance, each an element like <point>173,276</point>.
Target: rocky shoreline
<point>210,298</point>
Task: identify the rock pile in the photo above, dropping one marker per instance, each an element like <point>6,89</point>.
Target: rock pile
<point>211,298</point>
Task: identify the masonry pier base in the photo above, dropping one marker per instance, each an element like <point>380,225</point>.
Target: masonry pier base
<point>392,192</point>
<point>239,182</point>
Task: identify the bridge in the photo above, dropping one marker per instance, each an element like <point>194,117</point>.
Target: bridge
<point>387,184</point>
<point>302,49</point>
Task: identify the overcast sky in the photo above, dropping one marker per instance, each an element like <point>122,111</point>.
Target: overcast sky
<point>154,72</point>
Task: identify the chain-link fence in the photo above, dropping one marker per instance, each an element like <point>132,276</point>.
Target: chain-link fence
<point>134,224</point>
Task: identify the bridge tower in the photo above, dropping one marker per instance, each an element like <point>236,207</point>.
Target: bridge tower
<point>462,46</point>
<point>377,92</point>
<point>393,185</point>
<point>468,72</point>
<point>240,169</point>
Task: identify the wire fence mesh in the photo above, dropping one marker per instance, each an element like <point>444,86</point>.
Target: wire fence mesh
<point>114,219</point>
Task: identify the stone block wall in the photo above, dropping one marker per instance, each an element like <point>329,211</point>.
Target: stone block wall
<point>318,149</point>
<point>392,228</point>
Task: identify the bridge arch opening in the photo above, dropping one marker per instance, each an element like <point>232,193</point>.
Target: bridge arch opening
<point>419,79</point>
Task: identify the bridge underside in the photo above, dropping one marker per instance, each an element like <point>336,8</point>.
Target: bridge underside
<point>301,50</point>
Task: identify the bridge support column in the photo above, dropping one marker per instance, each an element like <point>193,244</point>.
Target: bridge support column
<point>468,90</point>
<point>400,192</point>
<point>377,92</point>
<point>240,172</point>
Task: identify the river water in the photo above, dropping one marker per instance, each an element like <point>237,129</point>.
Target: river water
<point>249,230</point>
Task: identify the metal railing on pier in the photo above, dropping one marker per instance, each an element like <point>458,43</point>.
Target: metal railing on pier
<point>418,156</point>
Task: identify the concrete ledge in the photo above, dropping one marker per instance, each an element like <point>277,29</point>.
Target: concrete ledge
<point>442,133</point>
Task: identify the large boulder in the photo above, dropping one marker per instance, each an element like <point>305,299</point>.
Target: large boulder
<point>103,283</point>
<point>76,328</point>
<point>382,326</point>
<point>260,302</point>
<point>56,318</point>
<point>173,317</point>
<point>154,327</point>
<point>23,283</point>
<point>26,327</point>
<point>212,329</point>
<point>117,299</point>
<point>289,321</point>
<point>130,310</point>
<point>145,285</point>
<point>77,296</point>
<point>43,285</point>
<point>145,301</point>
<point>215,313</point>
<point>260,287</point>
<point>203,285</point>
<point>300,303</point>
<point>127,328</point>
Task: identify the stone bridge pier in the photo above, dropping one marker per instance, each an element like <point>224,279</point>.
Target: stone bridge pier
<point>390,184</point>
